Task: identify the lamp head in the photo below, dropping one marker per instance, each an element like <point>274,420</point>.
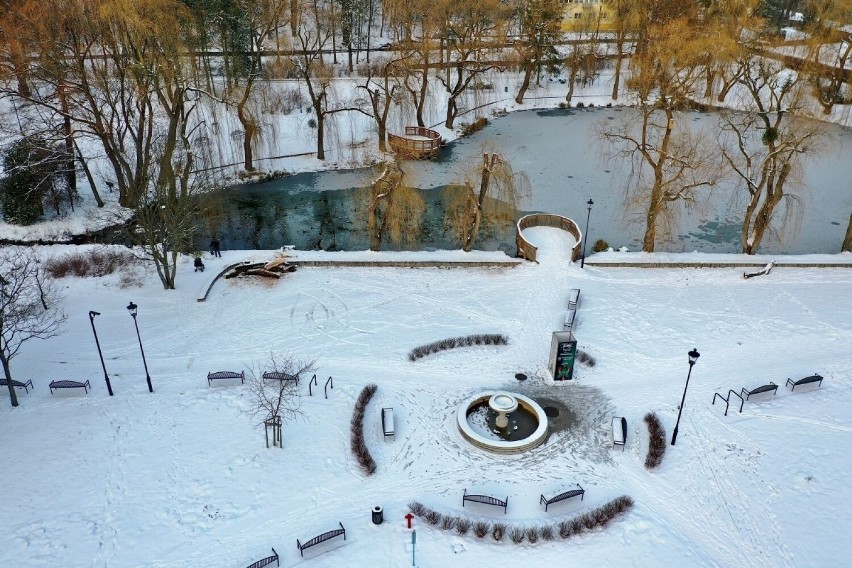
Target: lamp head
<point>132,308</point>
<point>590,203</point>
<point>93,313</point>
<point>693,357</point>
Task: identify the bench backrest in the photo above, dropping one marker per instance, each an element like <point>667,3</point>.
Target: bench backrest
<point>276,375</point>
<point>266,561</point>
<point>226,375</point>
<point>323,537</point>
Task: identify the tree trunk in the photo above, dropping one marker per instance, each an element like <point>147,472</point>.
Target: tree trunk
<point>89,177</point>
<point>710,81</point>
<point>8,372</point>
<point>847,240</point>
<point>320,134</point>
<point>616,79</point>
<point>248,131</point>
<point>528,69</point>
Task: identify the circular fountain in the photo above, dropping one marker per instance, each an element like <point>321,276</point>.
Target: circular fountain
<point>502,422</point>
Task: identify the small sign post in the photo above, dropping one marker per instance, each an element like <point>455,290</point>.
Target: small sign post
<point>413,543</point>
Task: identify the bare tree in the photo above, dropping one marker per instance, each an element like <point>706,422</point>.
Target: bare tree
<point>29,306</point>
<point>668,165</point>
<point>500,191</point>
<point>382,91</point>
<point>765,146</point>
<point>539,29</point>
<point>277,399</point>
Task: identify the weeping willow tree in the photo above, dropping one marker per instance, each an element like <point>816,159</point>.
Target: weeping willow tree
<point>491,194</point>
<point>394,211</point>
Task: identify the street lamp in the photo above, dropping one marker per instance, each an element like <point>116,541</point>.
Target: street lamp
<point>693,357</point>
<point>133,309</point>
<point>586,234</point>
<point>92,315</point>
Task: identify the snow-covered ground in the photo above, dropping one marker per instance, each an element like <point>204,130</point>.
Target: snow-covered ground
<point>181,477</point>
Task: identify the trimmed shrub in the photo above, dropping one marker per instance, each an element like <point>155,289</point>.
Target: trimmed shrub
<point>90,263</point>
<point>498,531</point>
<point>518,535</point>
<point>546,532</point>
<point>417,508</point>
<point>585,358</point>
<point>600,245</point>
<point>656,441</point>
<point>453,342</point>
<point>359,446</point>
<point>462,525</point>
<point>532,535</point>
<point>433,517</point>
<point>481,528</point>
<point>447,523</point>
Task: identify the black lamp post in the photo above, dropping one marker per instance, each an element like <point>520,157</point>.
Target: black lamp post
<point>586,234</point>
<point>92,315</point>
<point>693,357</point>
<point>133,309</point>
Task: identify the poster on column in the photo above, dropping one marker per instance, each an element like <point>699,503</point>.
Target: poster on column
<point>563,351</point>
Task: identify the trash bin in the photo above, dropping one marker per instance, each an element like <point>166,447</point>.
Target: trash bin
<point>378,515</point>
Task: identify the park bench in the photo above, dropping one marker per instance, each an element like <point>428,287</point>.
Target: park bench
<point>619,431</point>
<point>279,376</point>
<point>19,384</point>
<point>321,538</point>
<point>568,325</point>
<point>486,500</point>
<point>226,375</point>
<point>562,496</point>
<point>573,298</point>
<point>763,388</point>
<point>266,561</point>
<point>807,380</point>
<point>69,385</point>
<point>387,422</point>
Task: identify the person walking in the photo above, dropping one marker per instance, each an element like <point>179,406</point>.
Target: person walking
<point>215,248</point>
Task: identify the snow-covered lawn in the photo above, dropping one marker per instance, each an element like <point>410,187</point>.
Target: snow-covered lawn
<point>181,477</point>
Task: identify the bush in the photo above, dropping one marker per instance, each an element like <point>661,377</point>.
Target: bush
<point>581,105</point>
<point>462,525</point>
<point>656,441</point>
<point>417,508</point>
<point>532,535</point>
<point>359,446</point>
<point>600,245</point>
<point>498,531</point>
<point>447,523</point>
<point>585,358</point>
<point>518,535</point>
<point>478,124</point>
<point>34,177</point>
<point>312,123</point>
<point>90,263</point>
<point>481,528</point>
<point>433,517</point>
<point>563,104</point>
<point>451,343</point>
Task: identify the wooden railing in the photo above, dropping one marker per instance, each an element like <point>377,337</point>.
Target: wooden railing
<point>416,148</point>
<point>528,251</point>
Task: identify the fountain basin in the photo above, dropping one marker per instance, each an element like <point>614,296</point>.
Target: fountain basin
<point>532,418</point>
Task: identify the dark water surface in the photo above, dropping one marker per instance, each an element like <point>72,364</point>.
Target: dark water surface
<point>559,152</point>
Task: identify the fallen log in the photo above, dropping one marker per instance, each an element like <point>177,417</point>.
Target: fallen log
<point>262,272</point>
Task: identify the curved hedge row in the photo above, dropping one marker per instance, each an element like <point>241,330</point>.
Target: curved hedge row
<point>453,342</point>
<point>359,446</point>
<point>656,441</point>
<point>595,518</point>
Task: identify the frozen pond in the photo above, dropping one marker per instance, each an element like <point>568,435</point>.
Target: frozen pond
<point>560,154</point>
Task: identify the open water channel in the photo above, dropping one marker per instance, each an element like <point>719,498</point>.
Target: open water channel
<point>562,157</point>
